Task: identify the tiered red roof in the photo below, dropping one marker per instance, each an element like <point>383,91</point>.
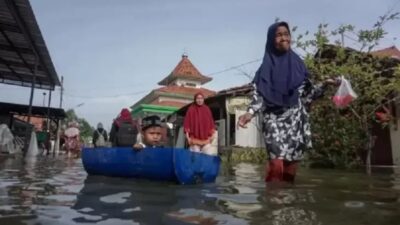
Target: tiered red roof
<point>185,69</point>
<point>185,90</point>
<point>169,103</point>
<point>391,52</point>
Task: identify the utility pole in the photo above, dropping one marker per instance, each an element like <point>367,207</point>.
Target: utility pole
<point>57,143</point>
<point>62,91</point>
<point>44,99</point>
<point>342,35</point>
<point>48,111</point>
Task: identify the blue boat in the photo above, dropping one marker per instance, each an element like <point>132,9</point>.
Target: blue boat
<point>164,164</point>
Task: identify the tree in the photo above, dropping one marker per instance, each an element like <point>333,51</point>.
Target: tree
<point>339,134</point>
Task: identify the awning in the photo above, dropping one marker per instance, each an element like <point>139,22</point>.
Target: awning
<point>37,111</point>
<point>23,51</point>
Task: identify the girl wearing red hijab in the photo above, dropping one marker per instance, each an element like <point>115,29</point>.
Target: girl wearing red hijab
<point>199,125</point>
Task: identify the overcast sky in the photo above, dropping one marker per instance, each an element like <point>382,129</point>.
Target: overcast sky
<point>112,53</point>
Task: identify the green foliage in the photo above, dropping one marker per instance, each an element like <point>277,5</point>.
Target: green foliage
<point>341,134</point>
<point>370,38</point>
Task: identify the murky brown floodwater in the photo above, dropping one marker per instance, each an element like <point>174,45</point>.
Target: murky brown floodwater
<point>58,191</point>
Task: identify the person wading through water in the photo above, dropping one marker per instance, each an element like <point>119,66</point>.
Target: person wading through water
<point>282,92</point>
<point>199,125</point>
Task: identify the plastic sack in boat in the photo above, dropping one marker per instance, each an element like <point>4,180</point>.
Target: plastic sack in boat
<point>345,94</point>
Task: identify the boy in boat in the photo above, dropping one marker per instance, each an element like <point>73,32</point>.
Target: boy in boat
<point>151,134</point>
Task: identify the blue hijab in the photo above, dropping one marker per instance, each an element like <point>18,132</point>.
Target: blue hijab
<point>280,74</point>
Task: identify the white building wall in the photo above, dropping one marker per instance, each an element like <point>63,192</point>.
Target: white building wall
<point>184,82</point>
<point>252,135</point>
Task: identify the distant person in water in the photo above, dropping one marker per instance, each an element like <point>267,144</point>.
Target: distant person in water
<point>72,138</point>
<point>124,130</point>
<point>100,136</point>
<point>151,134</point>
<point>199,125</point>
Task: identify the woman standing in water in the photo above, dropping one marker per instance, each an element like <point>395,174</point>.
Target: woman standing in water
<point>282,91</point>
<point>199,125</point>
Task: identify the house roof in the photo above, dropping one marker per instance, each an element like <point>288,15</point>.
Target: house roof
<point>391,52</point>
<point>386,66</point>
<point>169,103</point>
<point>185,69</point>
<point>238,90</point>
<point>185,90</point>
<point>22,47</point>
<point>37,111</point>
<point>153,108</point>
<point>37,122</point>
<point>243,90</point>
<point>171,91</point>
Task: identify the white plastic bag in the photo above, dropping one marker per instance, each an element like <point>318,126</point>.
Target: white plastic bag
<point>6,140</point>
<point>33,149</point>
<point>344,95</point>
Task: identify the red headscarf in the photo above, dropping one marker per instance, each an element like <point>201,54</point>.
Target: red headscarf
<point>199,122</point>
<point>124,116</point>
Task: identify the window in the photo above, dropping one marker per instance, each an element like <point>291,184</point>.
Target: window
<point>191,84</point>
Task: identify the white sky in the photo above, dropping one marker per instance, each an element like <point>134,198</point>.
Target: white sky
<point>112,53</point>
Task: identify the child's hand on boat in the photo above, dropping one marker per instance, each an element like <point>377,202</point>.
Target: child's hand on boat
<point>137,147</point>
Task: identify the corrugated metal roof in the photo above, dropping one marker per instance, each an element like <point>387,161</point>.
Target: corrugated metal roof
<point>189,91</point>
<point>38,111</point>
<point>21,46</point>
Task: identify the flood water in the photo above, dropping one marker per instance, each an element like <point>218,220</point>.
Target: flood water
<point>50,190</point>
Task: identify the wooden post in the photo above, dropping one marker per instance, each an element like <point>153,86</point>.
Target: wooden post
<point>57,142</point>
<point>48,111</point>
<point>28,132</point>
<point>228,129</point>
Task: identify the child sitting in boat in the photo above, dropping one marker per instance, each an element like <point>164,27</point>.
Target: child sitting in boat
<point>151,134</point>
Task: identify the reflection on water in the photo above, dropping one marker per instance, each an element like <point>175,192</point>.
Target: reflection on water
<point>49,190</point>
